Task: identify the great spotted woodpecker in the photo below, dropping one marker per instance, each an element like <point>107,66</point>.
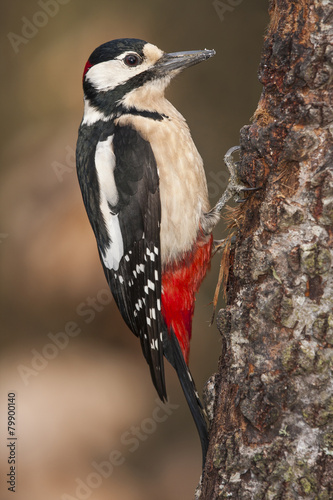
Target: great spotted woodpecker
<point>145,193</point>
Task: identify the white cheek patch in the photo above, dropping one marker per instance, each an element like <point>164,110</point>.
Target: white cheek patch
<point>108,75</point>
<point>105,163</point>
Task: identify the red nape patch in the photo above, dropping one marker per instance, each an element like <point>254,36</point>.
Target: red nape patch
<point>180,282</point>
<point>87,66</point>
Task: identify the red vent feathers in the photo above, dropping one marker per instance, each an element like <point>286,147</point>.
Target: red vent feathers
<point>180,282</point>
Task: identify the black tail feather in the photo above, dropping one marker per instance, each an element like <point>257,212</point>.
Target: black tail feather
<point>174,355</point>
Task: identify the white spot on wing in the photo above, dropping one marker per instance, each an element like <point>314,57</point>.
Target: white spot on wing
<point>154,344</point>
<point>151,285</point>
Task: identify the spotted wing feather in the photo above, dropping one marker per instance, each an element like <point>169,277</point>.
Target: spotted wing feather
<point>136,283</point>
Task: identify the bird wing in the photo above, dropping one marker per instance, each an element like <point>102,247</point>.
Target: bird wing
<point>131,208</point>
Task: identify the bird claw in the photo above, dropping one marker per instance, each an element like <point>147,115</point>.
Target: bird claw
<point>233,190</point>
<point>244,190</point>
<point>250,189</point>
<point>235,186</point>
<point>221,244</point>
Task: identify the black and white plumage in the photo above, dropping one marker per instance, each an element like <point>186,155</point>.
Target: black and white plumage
<point>135,278</point>
<point>126,214</point>
<point>145,194</point>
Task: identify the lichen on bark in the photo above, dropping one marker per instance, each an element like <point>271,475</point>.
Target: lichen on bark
<point>272,420</point>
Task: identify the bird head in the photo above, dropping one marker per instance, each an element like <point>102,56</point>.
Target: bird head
<point>117,71</point>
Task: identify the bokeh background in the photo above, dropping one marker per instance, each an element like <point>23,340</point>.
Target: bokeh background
<point>82,387</point>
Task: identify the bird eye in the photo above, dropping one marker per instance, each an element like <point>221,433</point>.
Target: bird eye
<point>132,60</point>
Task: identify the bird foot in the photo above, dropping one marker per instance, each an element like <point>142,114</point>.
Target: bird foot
<point>235,187</point>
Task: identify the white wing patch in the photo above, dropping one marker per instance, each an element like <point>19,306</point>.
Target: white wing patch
<point>113,254</point>
<point>105,163</point>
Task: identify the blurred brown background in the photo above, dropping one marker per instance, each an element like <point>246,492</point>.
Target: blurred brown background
<point>85,392</point>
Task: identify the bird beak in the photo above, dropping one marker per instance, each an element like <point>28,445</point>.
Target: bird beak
<point>177,61</point>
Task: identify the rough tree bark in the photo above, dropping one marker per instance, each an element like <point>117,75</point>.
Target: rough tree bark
<point>272,399</point>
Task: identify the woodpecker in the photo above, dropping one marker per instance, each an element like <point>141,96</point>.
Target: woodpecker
<point>145,193</point>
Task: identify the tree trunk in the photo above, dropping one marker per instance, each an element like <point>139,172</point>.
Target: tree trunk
<point>271,429</point>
